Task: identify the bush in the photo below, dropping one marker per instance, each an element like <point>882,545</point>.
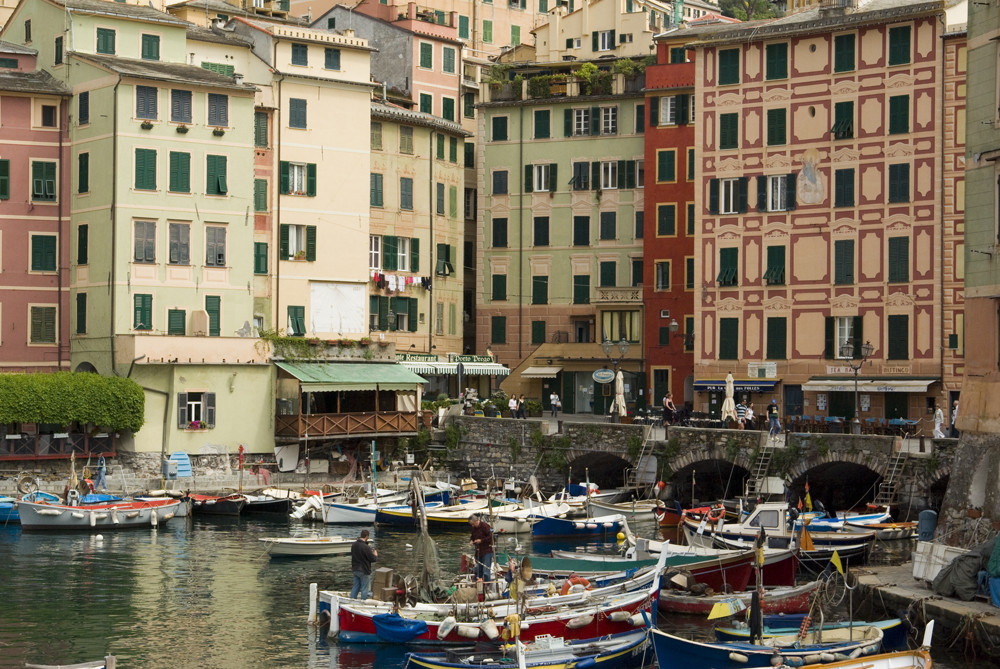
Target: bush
<point>64,398</point>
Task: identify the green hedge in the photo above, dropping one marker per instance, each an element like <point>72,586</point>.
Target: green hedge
<point>62,398</point>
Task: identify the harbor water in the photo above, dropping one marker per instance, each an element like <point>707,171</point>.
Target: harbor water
<point>203,594</point>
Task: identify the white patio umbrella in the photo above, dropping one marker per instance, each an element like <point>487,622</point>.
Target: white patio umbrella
<point>728,405</point>
<point>618,406</point>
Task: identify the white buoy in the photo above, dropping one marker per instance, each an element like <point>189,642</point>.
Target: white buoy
<point>153,520</point>
<point>114,516</point>
<point>739,657</point>
<point>99,537</point>
<point>313,597</point>
<point>93,519</point>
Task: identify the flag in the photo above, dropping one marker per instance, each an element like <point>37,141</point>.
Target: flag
<point>809,502</point>
<point>800,503</point>
<point>806,543</point>
<point>759,543</point>
<point>835,561</point>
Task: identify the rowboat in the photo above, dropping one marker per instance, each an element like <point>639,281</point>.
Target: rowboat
<point>218,505</point>
<point>8,505</point>
<point>521,520</point>
<point>267,504</point>
<point>346,513</point>
<point>779,568</point>
<point>907,659</point>
<point>674,652</point>
<point>454,517</point>
<point>313,546</point>
<point>782,599</point>
<point>894,632</point>
<point>579,527</point>
<point>108,662</point>
<point>618,651</point>
<point>889,531</point>
<point>716,571</point>
<point>96,517</point>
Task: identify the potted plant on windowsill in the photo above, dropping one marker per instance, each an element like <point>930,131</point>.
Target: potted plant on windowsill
<point>146,125</point>
<point>182,129</point>
<point>218,132</point>
<point>197,425</point>
<point>300,255</point>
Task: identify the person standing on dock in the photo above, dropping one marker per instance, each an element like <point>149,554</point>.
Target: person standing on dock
<point>938,421</point>
<point>482,540</point>
<point>772,418</point>
<point>362,556</point>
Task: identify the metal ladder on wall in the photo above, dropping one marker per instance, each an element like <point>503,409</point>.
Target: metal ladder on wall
<point>647,450</point>
<point>886,495</point>
<point>760,468</point>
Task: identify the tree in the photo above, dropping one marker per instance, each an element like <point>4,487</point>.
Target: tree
<point>748,10</point>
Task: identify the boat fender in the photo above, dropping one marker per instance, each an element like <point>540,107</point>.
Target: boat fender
<point>637,620</point>
<point>856,653</point>
<point>826,657</point>
<point>513,624</point>
<point>609,525</point>
<point>739,657</point>
<point>569,585</point>
<point>133,514</point>
<point>446,626</point>
<point>49,512</point>
<point>489,628</point>
<point>168,516</point>
<point>77,514</point>
<point>93,519</point>
<point>586,663</point>
<point>157,493</point>
<point>153,520</point>
<point>579,526</point>
<point>114,516</point>
<point>468,631</point>
<point>334,617</point>
<point>591,526</point>
<point>811,659</point>
<point>580,621</point>
<point>794,661</point>
<point>777,660</point>
<point>618,616</point>
<point>841,657</point>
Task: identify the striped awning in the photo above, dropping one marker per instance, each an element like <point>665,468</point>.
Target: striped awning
<point>541,372</point>
<point>451,368</point>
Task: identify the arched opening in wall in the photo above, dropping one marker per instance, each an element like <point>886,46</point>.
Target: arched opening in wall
<point>935,495</point>
<point>86,367</point>
<point>607,470</point>
<point>707,481</point>
<point>837,486</point>
<point>689,391</point>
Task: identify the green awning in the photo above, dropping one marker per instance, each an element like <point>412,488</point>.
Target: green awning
<point>323,377</point>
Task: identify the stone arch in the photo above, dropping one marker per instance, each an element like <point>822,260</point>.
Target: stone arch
<point>606,469</point>
<point>86,367</point>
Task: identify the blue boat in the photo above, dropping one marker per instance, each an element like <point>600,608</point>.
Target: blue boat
<point>8,506</point>
<point>674,652</point>
<point>578,527</point>
<point>894,630</point>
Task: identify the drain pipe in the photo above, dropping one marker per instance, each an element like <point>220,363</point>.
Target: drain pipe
<point>520,237</point>
<point>114,224</point>
<point>63,234</point>
<point>433,247</point>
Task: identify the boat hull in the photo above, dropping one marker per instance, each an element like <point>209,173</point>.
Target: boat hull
<point>583,527</point>
<point>307,546</point>
<point>271,506</point>
<point>779,600</point>
<point>95,517</point>
<point>894,632</point>
<point>207,505</point>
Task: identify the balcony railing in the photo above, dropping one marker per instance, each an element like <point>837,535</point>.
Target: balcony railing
<point>616,295</point>
<point>564,85</point>
<point>59,446</point>
<point>346,424</point>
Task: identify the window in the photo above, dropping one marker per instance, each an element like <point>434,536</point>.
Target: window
<point>609,120</point>
<point>296,321</point>
<point>106,41</point>
<point>499,233</point>
<point>376,137</point>
<point>581,231</point>
<point>541,174</point>
<point>215,175</point>
<point>608,225</point>
<point>43,181</point>
<point>776,127</point>
<point>179,252</point>
<point>843,188</point>
<point>27,30</point>
<point>469,105</point>
<point>374,252</point>
<point>777,348</point>
<point>81,313</point>
<point>446,258</point>
<point>843,330</point>
<point>219,68</point>
<point>729,131</point>
<point>260,194</point>
<point>300,54</point>
<point>541,231</point>
<point>541,124</point>
<point>448,108</point>
<point>448,59</point>
<point>636,272</point>
<point>439,199</point>
<point>180,172</point>
<point>581,121</point>
<point>843,120</point>
<point>83,108</point>
<point>690,165</point>
<point>662,275</point>
<point>728,267</point>
<point>375,195</point>
<point>774,275</point>
<point>498,326</point>
<point>581,289</point>
<point>43,253</point>
<point>82,244</point>
<point>640,118</point>
<point>899,338</point>
<point>729,66</point>
<point>83,173</point>
<point>899,45</point>
<point>499,182</point>
<point>581,176</point>
<point>899,259</point>
<point>440,146</point>
<point>145,169</point>
<point>470,203</point>
<point>843,261</point>
<point>616,325</point>
<point>488,32</point>
<point>260,257</point>
<point>145,242</point>
<point>150,47</point>
<point>195,408</point>
<point>463,27</point>
<point>666,220</point>
<point>690,219</point>
<point>296,113</point>
<point>640,222</point>
<point>402,254</point>
<point>537,332</point>
<point>674,110</point>
<point>608,274</point>
<point>215,246</point>
<point>899,183</point>
<point>733,196</point>
<point>331,59</point>
<point>776,61</point>
<point>145,102</point>
<point>499,291</point>
<point>899,114</point>
<point>58,59</point>
<point>778,192</point>
<point>609,174</point>
<point>540,290</point>
<point>48,116</point>
<point>43,325</point>
<point>218,109</point>
<point>180,112</point>
<point>729,339</point>
<point>843,53</point>
<point>515,35</point>
<point>499,128</point>
<point>426,55</point>
<point>176,322</point>
<point>426,103</point>
<point>406,193</point>
<point>689,273</point>
<point>604,40</point>
<point>666,165</point>
<point>213,306</point>
<point>142,312</point>
<point>406,139</point>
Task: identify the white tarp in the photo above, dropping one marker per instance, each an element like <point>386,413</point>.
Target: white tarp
<point>337,308</point>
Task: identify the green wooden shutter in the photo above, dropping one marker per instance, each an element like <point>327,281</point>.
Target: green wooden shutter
<point>857,335</point>
<point>537,332</point>
<point>453,149</point>
<point>176,322</point>
<point>844,261</point>
<point>411,315</point>
<point>790,193</point>
<point>568,122</point>
<point>4,179</point>
<point>145,169</point>
<point>608,274</point>
<point>654,111</point>
<point>180,172</point>
<point>310,242</point>
<point>713,196</point>
<point>581,289</point>
<point>311,179</point>
<point>390,253</point>
<point>621,174</point>
<point>453,201</point>
<point>540,289</point>
<point>260,194</point>
<point>499,288</point>
<point>777,348</point>
<point>776,127</point>
<point>375,190</point>
<point>83,173</point>
<point>742,194</point>
<point>528,178</point>
<point>284,177</point>
<point>82,244</point>
<point>498,330</point>
<point>414,254</point>
<point>829,338</point>
<point>143,312</point>
<point>899,259</point>
<point>899,114</point>
<point>383,312</point>
<point>260,129</point>
<point>729,338</point>
<point>683,111</point>
<point>666,169</point>
<point>260,257</point>
<point>283,245</point>
<point>899,337</point>
<point>81,313</point>
<point>595,121</point>
<point>762,193</point>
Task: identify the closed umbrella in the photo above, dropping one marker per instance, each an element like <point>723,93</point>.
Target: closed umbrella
<point>728,405</point>
<point>618,406</point>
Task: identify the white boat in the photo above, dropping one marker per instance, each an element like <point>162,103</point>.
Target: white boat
<point>307,546</point>
<point>363,512</point>
<point>96,517</point>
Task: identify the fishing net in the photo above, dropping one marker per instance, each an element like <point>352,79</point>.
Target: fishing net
<point>432,586</point>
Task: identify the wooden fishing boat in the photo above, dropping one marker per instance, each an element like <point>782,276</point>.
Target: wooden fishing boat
<point>314,546</point>
<point>889,531</point>
<point>521,520</point>
<point>454,517</point>
<point>780,564</point>
<point>908,659</point>
<point>266,504</point>
<point>674,652</point>
<point>96,517</point>
<point>8,505</point>
<point>618,651</point>
<point>108,662</point>
<point>579,527</point>
<point>894,630</point>
<point>783,599</point>
<point>218,505</point>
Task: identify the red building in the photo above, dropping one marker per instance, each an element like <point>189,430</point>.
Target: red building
<point>34,228</point>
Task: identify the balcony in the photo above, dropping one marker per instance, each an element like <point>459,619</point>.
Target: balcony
<point>27,445</point>
<point>618,295</point>
<point>366,424</point>
<point>545,86</point>
<point>669,76</point>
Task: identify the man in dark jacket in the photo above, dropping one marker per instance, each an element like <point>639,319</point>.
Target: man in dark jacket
<point>482,540</point>
<point>362,556</point>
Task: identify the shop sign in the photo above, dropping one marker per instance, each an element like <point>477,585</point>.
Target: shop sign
<point>416,357</point>
<point>604,375</point>
<point>471,358</point>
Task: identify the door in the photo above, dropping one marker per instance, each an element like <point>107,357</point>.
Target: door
<point>896,405</point>
<point>841,405</point>
<point>604,395</point>
<point>568,392</point>
<point>661,385</point>
<point>793,400</point>
<point>715,398</point>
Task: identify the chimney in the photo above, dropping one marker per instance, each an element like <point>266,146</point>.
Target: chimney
<point>348,32</point>
<point>218,24</point>
<point>411,11</point>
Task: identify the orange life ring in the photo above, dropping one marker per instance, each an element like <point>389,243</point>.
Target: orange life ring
<point>574,580</point>
<point>716,514</point>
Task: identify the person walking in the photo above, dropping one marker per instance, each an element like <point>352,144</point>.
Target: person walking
<point>772,418</point>
<point>522,409</point>
<point>669,409</point>
<point>512,405</point>
<point>748,419</point>
<point>938,422</point>
<point>554,404</point>
<point>482,540</point>
<point>741,415</point>
<point>362,556</point>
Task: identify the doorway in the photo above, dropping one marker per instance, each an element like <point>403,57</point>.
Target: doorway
<point>841,405</point>
<point>896,405</point>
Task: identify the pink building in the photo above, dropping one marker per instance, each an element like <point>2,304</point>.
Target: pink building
<point>34,198</point>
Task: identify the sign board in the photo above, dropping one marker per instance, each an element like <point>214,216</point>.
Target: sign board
<point>604,375</point>
<point>762,370</point>
<point>471,358</point>
<point>416,357</point>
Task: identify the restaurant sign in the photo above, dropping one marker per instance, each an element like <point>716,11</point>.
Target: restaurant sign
<point>416,357</point>
<point>471,358</point>
<point>604,375</point>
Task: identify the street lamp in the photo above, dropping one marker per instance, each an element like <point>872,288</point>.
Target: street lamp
<point>847,353</point>
<point>688,336</point>
<point>608,347</point>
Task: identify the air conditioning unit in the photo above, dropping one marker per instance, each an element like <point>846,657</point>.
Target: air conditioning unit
<point>664,313</point>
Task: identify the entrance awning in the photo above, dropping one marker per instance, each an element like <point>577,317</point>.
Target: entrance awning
<point>485,369</point>
<point>323,377</point>
<point>752,386</point>
<point>541,372</point>
<point>451,368</point>
<point>867,385</point>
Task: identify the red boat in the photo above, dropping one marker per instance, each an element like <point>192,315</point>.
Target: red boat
<point>775,600</point>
